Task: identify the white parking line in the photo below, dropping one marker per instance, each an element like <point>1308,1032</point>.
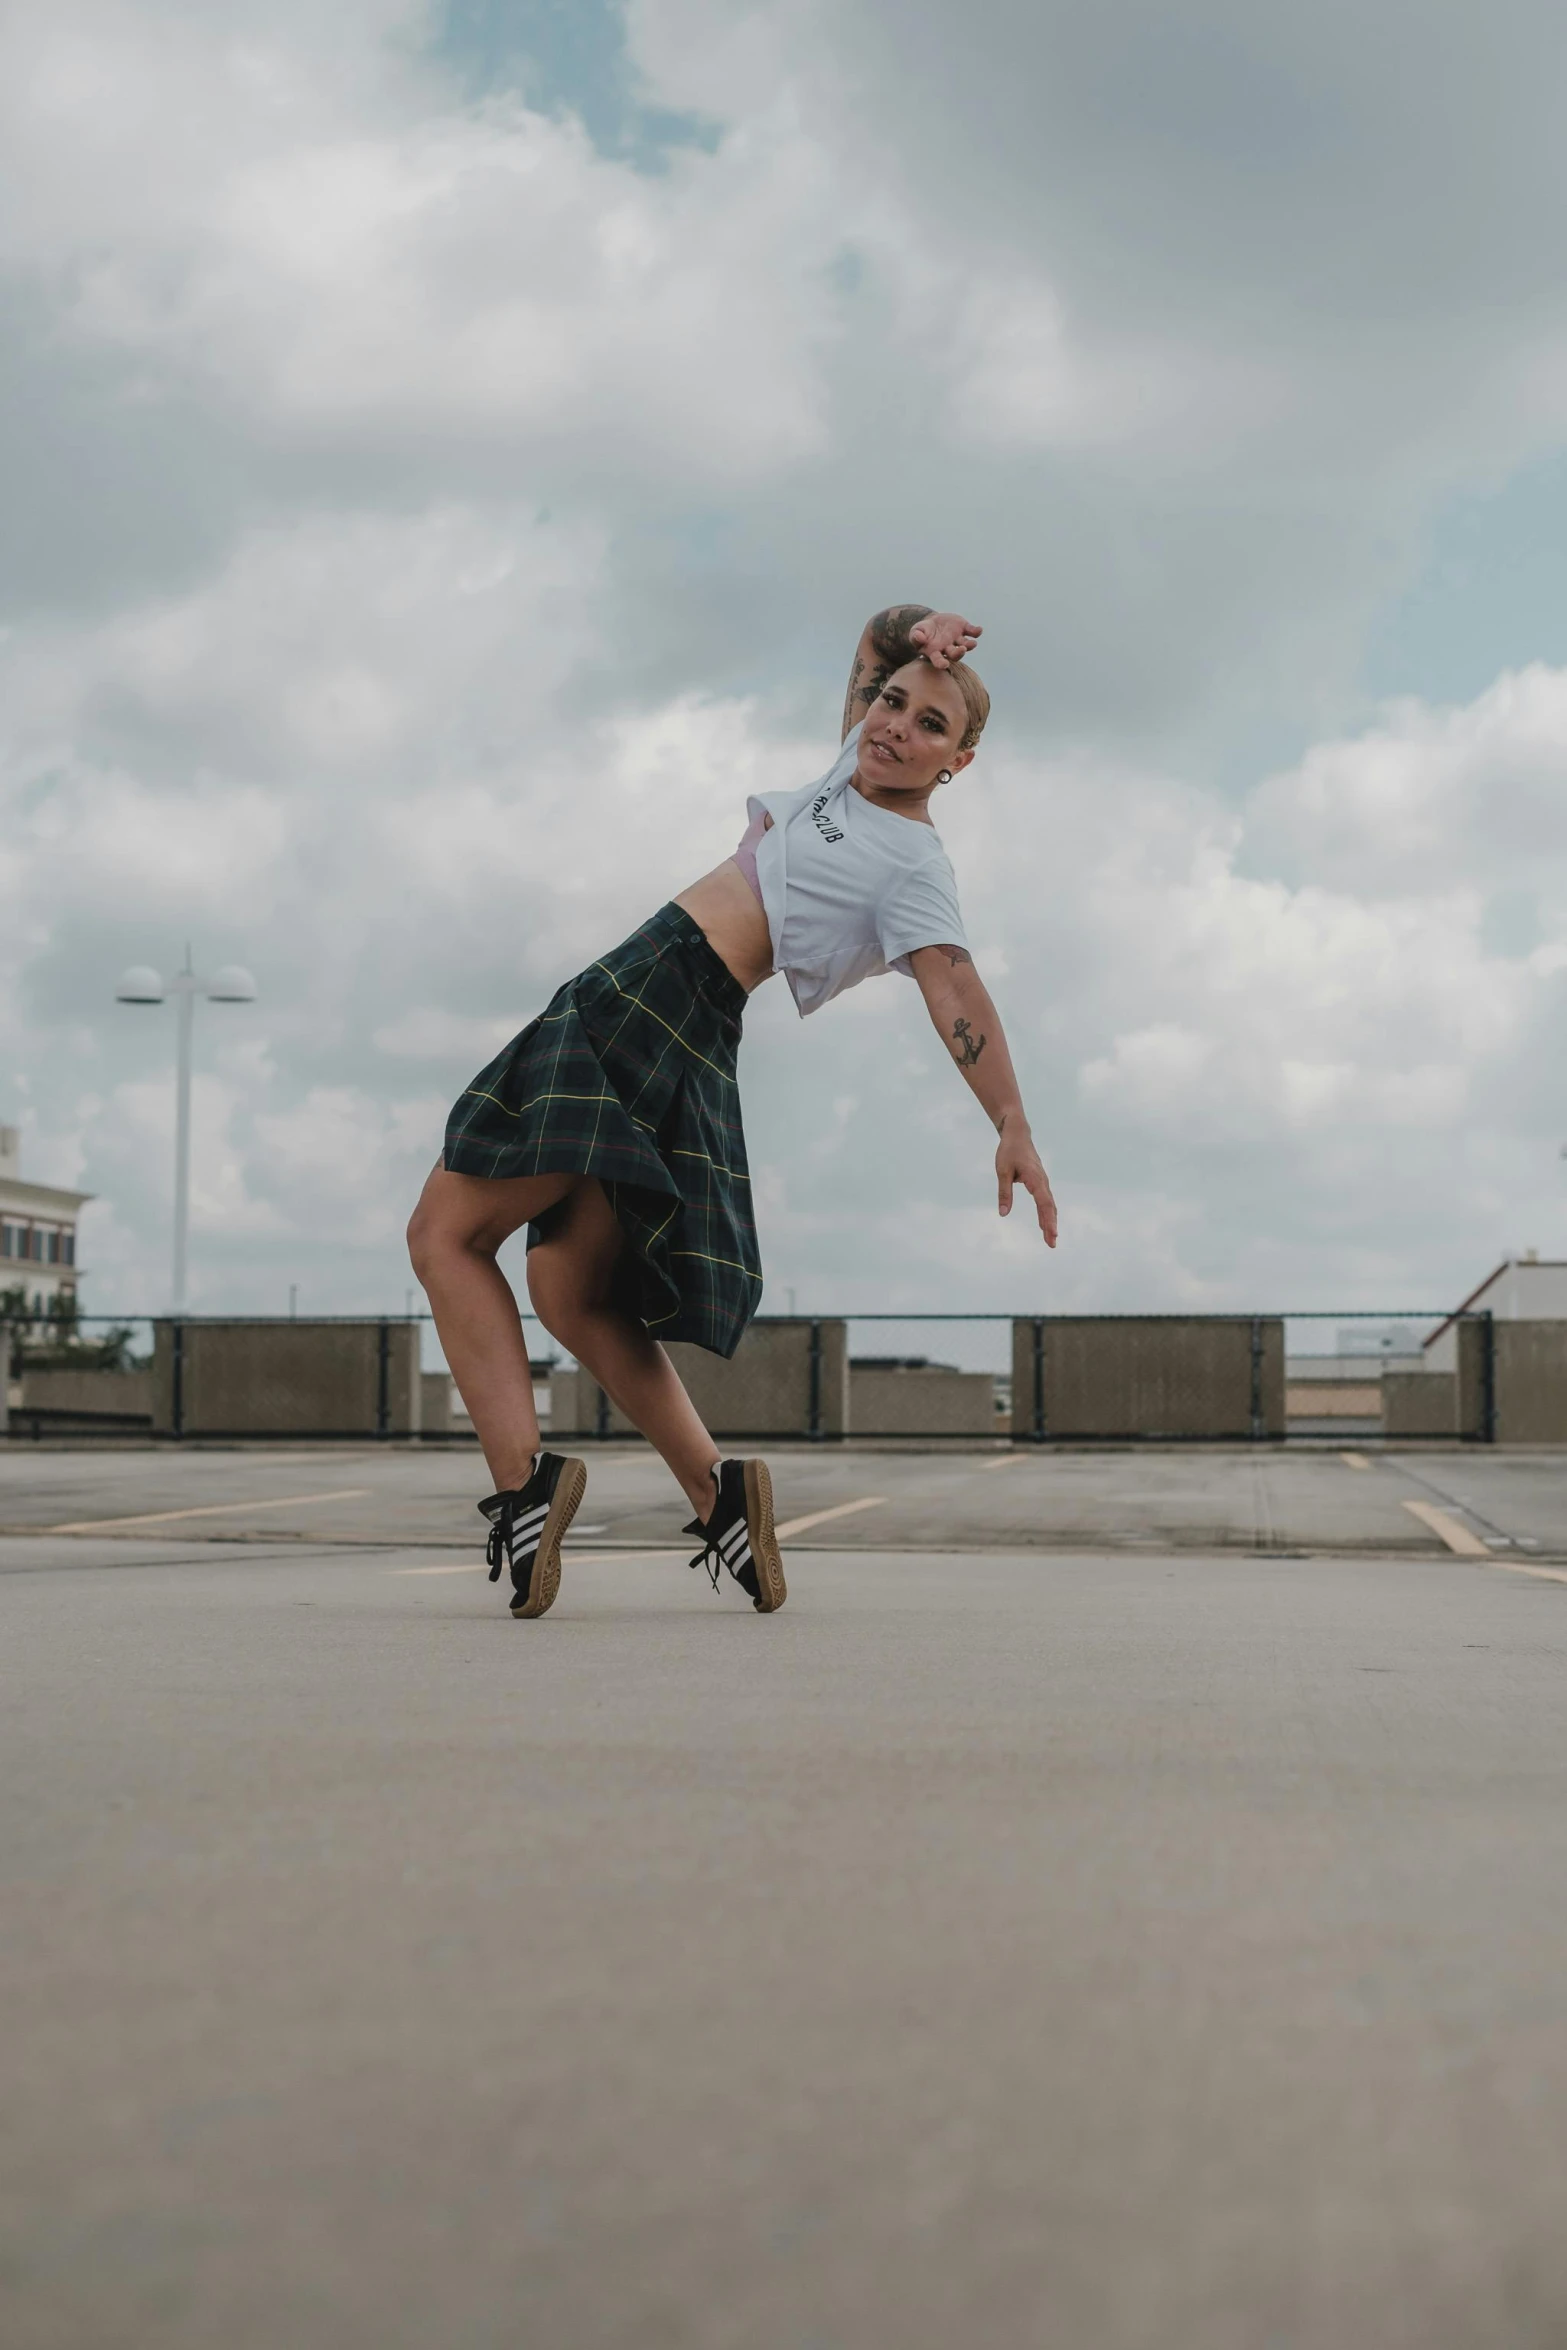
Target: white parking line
<point>1458,1538</point>
<point>1354,1460</point>
<point>211,1509</point>
<point>842,1509</point>
<point>569,1558</point>
<point>1008,1460</point>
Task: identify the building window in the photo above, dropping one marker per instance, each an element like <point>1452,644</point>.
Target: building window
<point>67,1248</point>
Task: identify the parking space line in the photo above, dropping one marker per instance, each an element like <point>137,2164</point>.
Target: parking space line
<point>569,1558</point>
<point>1354,1460</point>
<point>1458,1538</point>
<point>468,1567</point>
<point>211,1509</point>
<point>842,1509</point>
<point>1008,1460</point>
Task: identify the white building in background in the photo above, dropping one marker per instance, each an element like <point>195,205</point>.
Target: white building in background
<point>1522,1289</point>
<point>37,1232</point>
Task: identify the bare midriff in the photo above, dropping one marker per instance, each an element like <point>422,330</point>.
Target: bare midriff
<point>727,911</point>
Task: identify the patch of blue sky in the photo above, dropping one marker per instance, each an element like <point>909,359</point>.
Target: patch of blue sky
<point>1491,593</point>
<point>567,57</point>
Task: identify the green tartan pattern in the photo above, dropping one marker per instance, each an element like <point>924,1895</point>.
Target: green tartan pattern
<point>629,1075</point>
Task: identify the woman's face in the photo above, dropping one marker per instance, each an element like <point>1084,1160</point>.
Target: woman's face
<point>912,731</point>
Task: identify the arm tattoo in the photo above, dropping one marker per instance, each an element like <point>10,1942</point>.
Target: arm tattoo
<point>857,700</point>
<point>889,633</point>
<point>890,642</point>
<point>968,1051</point>
<point>955,955</point>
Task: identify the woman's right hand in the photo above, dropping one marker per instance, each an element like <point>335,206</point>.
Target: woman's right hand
<point>944,637</point>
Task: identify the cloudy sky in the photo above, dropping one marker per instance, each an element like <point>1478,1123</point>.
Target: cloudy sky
<point>447,453</point>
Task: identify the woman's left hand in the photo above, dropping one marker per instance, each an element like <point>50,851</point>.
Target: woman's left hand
<point>1019,1162</point>
<point>944,637</point>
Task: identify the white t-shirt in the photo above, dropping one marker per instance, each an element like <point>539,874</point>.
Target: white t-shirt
<point>849,889</point>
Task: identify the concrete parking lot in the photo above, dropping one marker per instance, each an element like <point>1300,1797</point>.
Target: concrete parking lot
<point>1152,1942</point>
<point>1134,1498</point>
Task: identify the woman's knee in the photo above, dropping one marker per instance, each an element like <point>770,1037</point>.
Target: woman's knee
<point>435,1236</point>
<point>424,1240</point>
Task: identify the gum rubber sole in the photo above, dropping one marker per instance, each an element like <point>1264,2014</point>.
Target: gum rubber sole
<point>765,1554</point>
<point>545,1580</point>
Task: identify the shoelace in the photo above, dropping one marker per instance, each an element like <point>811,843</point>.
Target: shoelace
<point>711,1557</point>
<point>497,1550</point>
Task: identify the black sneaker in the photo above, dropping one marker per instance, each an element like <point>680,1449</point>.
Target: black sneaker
<point>739,1534</point>
<point>526,1527</point>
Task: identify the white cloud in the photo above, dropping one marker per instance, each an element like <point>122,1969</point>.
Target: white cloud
<point>508,498</point>
<point>407,267</point>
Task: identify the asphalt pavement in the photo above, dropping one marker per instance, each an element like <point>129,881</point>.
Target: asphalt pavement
<point>1128,1500</point>
<point>995,1946</point>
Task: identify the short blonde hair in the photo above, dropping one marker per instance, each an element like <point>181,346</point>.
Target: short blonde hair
<point>976,702</point>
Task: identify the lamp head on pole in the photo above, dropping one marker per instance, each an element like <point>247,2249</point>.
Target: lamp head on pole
<point>139,985</point>
<point>232,985</point>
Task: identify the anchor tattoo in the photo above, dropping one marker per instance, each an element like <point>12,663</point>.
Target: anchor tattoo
<point>969,1051</point>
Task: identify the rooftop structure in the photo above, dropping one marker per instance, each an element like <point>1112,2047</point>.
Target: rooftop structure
<point>1529,1288</point>
<point>37,1232</point>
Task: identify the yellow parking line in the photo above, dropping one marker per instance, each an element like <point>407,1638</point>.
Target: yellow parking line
<point>211,1509</point>
<point>1458,1538</point>
<point>1008,1460</point>
<point>842,1509</point>
<point>1541,1574</point>
<point>1354,1460</point>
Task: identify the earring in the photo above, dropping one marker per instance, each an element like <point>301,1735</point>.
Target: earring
<point>945,776</point>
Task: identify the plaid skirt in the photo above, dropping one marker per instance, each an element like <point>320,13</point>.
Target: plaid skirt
<point>629,1075</point>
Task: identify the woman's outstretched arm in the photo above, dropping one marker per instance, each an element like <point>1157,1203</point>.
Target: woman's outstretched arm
<point>968,1024</point>
<point>896,636</point>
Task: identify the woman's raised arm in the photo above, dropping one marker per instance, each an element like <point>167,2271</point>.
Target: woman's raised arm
<point>969,1026</point>
<point>896,636</point>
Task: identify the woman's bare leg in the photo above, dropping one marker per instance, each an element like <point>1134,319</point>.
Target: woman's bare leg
<point>571,1279</point>
<point>460,1222</point>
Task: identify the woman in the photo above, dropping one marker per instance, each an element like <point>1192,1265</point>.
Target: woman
<point>611,1125</point>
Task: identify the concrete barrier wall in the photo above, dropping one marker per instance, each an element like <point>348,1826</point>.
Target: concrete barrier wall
<point>764,1391</point>
<point>1333,1399</point>
<point>122,1395</point>
<point>435,1403</point>
<point>286,1379</point>
<point>1165,1377</point>
<point>931,1400</point>
<point>1419,1403</point>
<point>1531,1382</point>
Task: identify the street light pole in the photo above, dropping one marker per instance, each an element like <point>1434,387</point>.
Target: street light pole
<point>184,988</point>
<point>142,985</point>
